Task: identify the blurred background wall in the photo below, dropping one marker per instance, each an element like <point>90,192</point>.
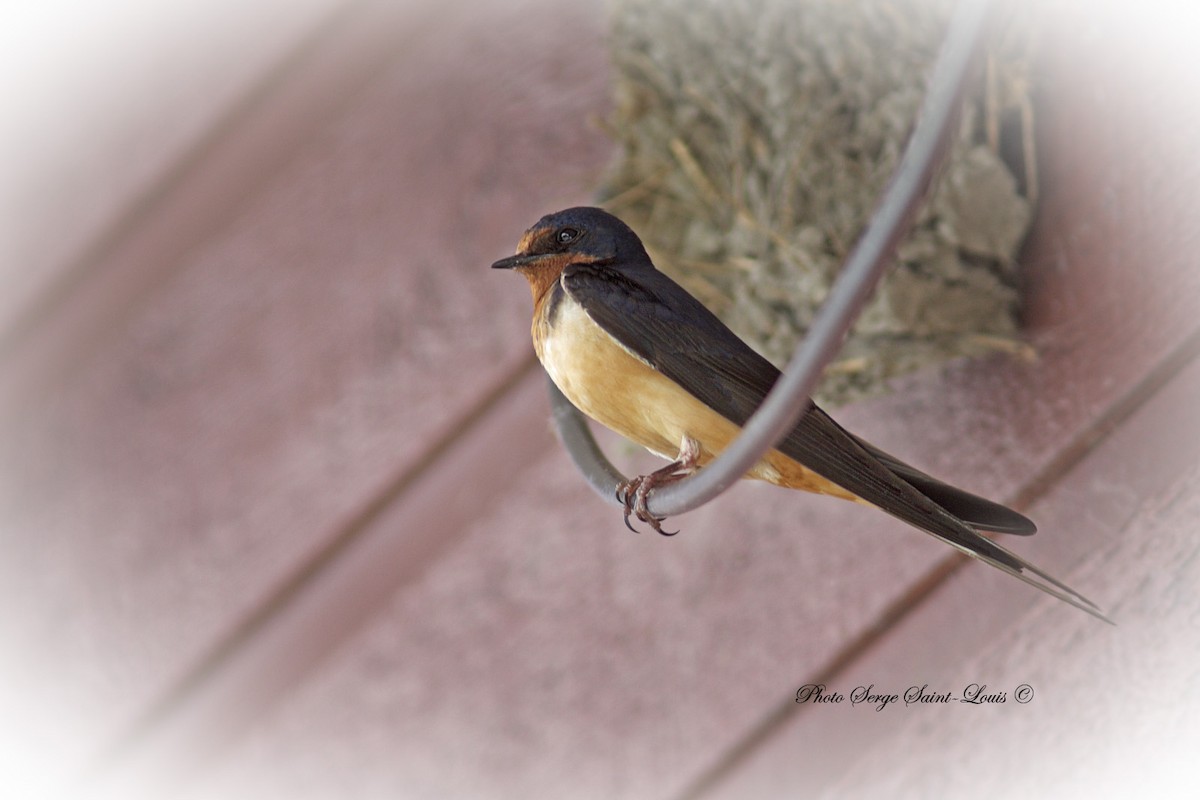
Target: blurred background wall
<point>281,514</point>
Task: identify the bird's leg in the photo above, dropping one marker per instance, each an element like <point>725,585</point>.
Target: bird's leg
<point>633,493</point>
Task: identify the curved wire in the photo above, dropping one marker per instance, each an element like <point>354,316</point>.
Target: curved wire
<point>787,400</point>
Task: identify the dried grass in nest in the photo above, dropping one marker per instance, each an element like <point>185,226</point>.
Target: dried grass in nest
<point>755,139</point>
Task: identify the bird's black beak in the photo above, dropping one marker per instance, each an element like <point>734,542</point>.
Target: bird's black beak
<point>515,262</point>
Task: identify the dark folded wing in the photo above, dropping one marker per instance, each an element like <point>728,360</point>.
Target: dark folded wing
<point>659,321</point>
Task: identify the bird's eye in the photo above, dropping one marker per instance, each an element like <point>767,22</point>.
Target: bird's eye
<point>567,235</point>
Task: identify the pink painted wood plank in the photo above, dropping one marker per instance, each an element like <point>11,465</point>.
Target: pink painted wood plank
<point>295,365</point>
<point>1113,709</point>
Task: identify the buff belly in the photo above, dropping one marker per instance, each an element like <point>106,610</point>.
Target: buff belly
<point>620,391</point>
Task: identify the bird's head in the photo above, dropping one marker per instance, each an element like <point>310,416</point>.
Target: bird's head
<point>581,235</point>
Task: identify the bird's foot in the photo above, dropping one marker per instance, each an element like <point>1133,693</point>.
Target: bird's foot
<point>634,493</point>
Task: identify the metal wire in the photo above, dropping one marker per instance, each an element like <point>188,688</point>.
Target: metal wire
<point>785,403</point>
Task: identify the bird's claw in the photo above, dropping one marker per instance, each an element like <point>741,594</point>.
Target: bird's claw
<point>633,495</point>
<point>625,496</point>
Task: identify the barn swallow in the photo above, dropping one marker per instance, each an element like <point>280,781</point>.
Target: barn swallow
<point>631,349</point>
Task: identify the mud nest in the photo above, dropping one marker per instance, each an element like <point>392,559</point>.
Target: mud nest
<point>755,138</point>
